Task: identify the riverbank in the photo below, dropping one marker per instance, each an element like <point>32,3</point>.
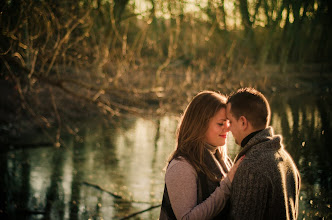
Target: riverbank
<point>52,109</point>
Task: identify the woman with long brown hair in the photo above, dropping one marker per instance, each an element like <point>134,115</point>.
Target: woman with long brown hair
<point>199,174</point>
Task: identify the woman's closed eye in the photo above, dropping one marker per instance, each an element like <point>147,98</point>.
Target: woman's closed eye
<point>224,123</point>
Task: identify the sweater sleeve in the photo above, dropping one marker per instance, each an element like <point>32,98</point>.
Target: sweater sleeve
<point>249,194</point>
<point>181,183</point>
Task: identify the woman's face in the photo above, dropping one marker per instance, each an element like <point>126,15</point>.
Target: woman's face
<point>218,129</point>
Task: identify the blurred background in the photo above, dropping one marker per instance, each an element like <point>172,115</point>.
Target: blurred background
<point>91,92</point>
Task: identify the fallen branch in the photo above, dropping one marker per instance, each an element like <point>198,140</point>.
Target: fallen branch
<point>122,200</point>
<point>140,212</point>
<point>104,190</point>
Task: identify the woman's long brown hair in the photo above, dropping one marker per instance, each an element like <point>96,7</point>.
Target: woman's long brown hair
<point>193,126</point>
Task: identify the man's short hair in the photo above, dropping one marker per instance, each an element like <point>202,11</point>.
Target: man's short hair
<point>252,104</point>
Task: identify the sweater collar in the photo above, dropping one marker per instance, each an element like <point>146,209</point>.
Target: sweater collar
<point>210,147</point>
<point>247,139</point>
<point>258,138</point>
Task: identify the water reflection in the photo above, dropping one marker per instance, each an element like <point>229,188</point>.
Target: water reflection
<point>305,123</point>
<point>111,173</point>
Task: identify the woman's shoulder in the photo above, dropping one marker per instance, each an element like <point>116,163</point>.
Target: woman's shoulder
<point>177,162</point>
<point>180,165</point>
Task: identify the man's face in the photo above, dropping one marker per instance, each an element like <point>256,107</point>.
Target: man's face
<point>234,125</point>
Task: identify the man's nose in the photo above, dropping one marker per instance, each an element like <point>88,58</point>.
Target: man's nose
<point>227,127</point>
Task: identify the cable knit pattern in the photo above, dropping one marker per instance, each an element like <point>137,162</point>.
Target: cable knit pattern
<point>267,182</point>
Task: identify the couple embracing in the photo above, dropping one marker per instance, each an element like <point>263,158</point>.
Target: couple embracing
<point>201,181</point>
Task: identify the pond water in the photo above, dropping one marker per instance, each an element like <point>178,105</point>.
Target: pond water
<point>117,172</point>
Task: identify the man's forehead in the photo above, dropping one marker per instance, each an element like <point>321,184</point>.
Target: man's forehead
<point>228,109</point>
<point>229,114</point>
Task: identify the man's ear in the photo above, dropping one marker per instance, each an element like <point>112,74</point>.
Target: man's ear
<point>244,122</point>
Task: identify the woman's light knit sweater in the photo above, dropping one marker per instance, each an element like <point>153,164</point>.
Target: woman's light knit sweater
<point>182,184</point>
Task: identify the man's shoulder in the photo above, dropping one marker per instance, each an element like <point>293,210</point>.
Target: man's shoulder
<point>259,164</point>
<point>265,162</point>
<point>265,151</point>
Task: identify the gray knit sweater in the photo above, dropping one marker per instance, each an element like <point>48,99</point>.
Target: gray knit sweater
<point>267,182</point>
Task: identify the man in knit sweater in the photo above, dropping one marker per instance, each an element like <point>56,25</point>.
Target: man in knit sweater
<point>267,182</point>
